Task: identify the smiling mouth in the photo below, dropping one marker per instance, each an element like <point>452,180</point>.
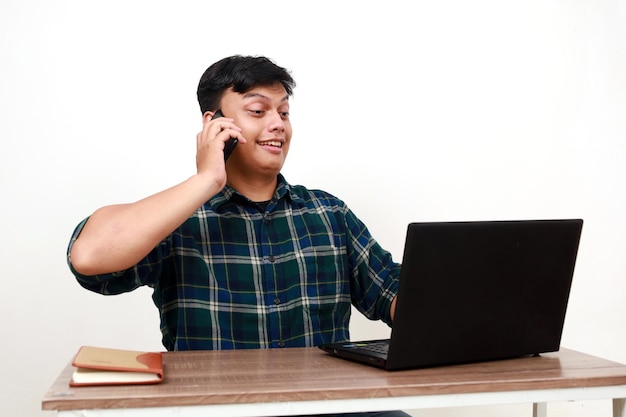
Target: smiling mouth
<point>272,143</point>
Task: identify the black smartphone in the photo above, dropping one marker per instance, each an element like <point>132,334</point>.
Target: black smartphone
<point>229,145</point>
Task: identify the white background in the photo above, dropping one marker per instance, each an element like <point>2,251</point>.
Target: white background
<point>409,111</point>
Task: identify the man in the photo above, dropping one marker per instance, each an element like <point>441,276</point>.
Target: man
<point>237,256</point>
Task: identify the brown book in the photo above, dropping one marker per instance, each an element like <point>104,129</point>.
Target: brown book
<point>104,366</point>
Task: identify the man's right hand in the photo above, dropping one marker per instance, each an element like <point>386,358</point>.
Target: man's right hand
<point>210,147</point>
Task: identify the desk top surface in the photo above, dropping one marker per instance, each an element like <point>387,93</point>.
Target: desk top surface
<point>308,374</point>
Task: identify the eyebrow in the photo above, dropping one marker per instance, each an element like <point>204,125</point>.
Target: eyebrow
<point>253,95</point>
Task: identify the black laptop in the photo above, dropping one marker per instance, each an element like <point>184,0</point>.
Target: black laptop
<point>476,291</point>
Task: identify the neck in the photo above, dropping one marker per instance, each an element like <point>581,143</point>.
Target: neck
<point>256,189</point>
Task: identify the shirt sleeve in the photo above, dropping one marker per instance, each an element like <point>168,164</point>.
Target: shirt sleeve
<point>146,272</point>
<point>375,276</point>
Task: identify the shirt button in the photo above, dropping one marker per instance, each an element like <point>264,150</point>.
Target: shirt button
<point>271,258</point>
<point>276,300</point>
<point>281,344</point>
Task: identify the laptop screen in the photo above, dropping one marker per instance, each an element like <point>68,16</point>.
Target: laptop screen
<point>475,291</point>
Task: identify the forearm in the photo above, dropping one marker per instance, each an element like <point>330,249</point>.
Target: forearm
<point>117,237</point>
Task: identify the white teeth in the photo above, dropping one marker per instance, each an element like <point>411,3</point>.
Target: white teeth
<point>272,143</point>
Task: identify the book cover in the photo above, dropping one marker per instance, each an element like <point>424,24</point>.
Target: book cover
<point>105,366</point>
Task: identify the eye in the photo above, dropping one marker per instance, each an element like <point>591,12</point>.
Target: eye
<point>284,114</point>
<point>256,112</point>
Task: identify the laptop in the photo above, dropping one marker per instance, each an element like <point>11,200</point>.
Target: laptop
<point>476,291</point>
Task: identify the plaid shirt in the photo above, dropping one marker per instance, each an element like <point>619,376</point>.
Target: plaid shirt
<point>237,276</point>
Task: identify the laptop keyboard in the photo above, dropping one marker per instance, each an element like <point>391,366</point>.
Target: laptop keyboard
<point>377,347</point>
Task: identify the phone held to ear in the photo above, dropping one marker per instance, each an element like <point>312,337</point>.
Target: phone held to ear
<point>229,145</point>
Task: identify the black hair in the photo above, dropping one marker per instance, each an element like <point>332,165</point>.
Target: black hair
<point>242,73</point>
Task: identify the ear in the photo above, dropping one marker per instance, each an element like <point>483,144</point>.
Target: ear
<point>207,116</point>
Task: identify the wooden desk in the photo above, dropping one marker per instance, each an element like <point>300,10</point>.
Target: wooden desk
<point>307,381</point>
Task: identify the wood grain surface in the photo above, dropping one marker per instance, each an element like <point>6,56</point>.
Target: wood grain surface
<point>305,374</point>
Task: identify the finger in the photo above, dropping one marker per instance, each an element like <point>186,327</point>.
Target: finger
<point>226,134</point>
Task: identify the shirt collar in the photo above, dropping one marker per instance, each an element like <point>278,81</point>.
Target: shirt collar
<point>283,190</point>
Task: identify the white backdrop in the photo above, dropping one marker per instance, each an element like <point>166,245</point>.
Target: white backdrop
<point>409,111</point>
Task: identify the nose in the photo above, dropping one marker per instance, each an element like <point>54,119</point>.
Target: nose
<point>276,122</point>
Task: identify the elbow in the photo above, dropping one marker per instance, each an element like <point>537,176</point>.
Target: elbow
<point>82,259</point>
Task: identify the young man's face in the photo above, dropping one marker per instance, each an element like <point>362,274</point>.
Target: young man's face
<point>263,115</point>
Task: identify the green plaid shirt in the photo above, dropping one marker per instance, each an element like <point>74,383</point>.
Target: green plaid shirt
<point>238,276</point>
